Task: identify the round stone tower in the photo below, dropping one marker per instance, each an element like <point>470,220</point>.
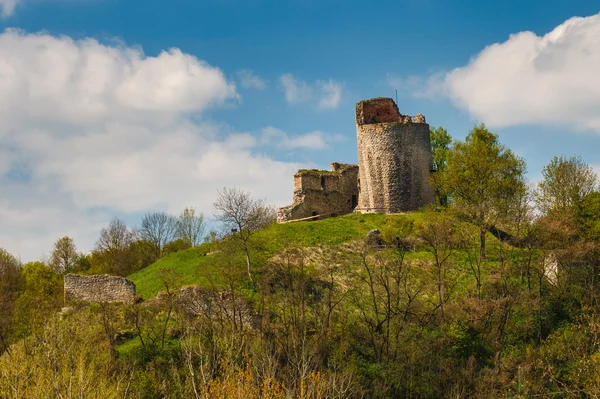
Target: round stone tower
<point>394,158</point>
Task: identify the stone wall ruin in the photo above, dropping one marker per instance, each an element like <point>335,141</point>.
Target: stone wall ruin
<point>323,193</point>
<point>98,288</point>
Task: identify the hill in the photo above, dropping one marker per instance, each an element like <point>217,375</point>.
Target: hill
<point>203,265</point>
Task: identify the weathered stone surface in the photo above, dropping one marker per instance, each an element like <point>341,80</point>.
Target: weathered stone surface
<point>377,110</point>
<point>98,288</point>
<point>394,163</point>
<point>373,238</point>
<point>419,118</point>
<point>321,192</point>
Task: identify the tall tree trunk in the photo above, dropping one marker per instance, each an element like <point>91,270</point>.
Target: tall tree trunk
<point>247,252</point>
<point>482,232</point>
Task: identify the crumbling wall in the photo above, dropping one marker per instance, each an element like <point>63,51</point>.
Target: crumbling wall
<point>377,110</point>
<point>321,192</point>
<point>98,288</point>
<point>394,158</point>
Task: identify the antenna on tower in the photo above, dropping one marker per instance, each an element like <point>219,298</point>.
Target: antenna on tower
<point>396,96</point>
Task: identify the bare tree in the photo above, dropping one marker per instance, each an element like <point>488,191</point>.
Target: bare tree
<point>117,236</point>
<point>158,228</point>
<point>438,230</point>
<point>243,215</point>
<point>64,257</point>
<point>190,227</point>
<point>114,252</point>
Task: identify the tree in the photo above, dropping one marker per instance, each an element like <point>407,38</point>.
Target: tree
<point>158,228</point>
<point>8,262</point>
<point>117,236</point>
<point>588,216</point>
<point>116,250</point>
<point>567,181</point>
<point>10,287</point>
<point>440,146</point>
<point>41,298</point>
<point>439,231</point>
<point>190,227</point>
<point>242,215</point>
<point>484,180</point>
<point>64,257</point>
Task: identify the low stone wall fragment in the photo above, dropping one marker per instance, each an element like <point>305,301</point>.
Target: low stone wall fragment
<point>99,288</point>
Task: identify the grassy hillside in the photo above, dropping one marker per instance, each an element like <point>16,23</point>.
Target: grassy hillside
<point>194,267</point>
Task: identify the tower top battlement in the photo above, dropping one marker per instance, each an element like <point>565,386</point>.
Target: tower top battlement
<point>382,110</point>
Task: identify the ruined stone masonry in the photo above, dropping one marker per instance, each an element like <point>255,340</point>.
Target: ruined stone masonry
<point>98,288</point>
<point>394,158</point>
<point>323,193</point>
<point>394,165</point>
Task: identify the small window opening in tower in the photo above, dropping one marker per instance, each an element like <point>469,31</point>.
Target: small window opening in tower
<point>323,182</point>
<point>354,201</point>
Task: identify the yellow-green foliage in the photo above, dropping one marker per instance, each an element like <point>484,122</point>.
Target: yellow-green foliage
<point>68,358</point>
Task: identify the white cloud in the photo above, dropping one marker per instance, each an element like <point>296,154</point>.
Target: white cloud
<point>99,131</point>
<point>250,80</point>
<point>330,94</point>
<point>48,78</point>
<point>530,79</point>
<point>280,139</point>
<point>296,91</point>
<point>324,94</point>
<point>8,7</point>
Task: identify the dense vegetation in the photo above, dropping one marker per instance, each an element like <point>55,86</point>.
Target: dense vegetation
<point>490,293</point>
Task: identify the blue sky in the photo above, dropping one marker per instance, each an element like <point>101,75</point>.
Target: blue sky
<point>117,108</point>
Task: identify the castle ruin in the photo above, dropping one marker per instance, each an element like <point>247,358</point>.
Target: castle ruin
<point>392,175</point>
<point>394,158</point>
<point>322,193</point>
<point>98,288</point>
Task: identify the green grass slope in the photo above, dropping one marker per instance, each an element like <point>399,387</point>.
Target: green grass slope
<point>194,267</point>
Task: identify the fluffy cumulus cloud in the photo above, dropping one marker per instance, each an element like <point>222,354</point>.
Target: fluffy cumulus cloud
<point>7,7</point>
<point>531,79</point>
<point>250,80</point>
<point>90,131</point>
<point>324,94</point>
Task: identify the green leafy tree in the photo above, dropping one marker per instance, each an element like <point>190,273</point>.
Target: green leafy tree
<point>567,181</point>
<point>588,216</point>
<point>10,289</point>
<point>64,257</point>
<point>440,146</point>
<point>41,298</point>
<point>484,180</point>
